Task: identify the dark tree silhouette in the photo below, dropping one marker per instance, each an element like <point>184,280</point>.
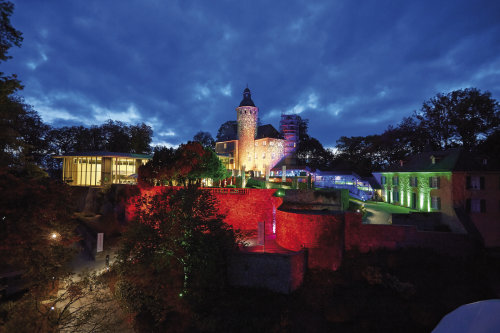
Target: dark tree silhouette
<point>205,139</point>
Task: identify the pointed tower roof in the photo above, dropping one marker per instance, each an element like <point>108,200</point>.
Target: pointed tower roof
<point>247,98</point>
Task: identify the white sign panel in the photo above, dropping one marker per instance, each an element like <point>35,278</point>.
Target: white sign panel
<point>100,240</point>
<point>261,233</point>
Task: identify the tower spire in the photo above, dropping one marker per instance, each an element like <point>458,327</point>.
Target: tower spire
<point>247,98</point>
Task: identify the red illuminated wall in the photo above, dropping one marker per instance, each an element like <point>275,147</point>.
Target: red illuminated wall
<point>243,211</point>
<point>321,234</point>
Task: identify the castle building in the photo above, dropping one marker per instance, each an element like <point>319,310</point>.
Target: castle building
<point>254,148</point>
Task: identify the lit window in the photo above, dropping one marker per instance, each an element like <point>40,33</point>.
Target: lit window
<point>264,143</point>
<point>225,145</point>
<point>435,202</point>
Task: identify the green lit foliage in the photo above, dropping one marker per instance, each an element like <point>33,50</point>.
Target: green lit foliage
<point>177,245</point>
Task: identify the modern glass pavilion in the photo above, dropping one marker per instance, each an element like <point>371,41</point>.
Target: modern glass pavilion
<point>101,168</point>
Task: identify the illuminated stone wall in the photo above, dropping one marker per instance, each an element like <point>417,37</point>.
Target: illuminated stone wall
<point>247,130</point>
<point>268,152</point>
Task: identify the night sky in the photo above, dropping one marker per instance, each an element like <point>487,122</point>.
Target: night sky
<point>350,67</point>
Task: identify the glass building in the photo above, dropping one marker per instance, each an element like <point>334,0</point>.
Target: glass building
<point>101,168</point>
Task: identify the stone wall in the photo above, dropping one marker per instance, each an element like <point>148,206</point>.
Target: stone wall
<point>320,232</point>
<point>369,237</point>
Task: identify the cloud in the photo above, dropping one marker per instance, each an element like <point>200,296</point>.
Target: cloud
<point>352,69</point>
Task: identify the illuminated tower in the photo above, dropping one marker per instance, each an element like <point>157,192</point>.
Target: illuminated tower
<point>247,114</point>
<point>290,129</point>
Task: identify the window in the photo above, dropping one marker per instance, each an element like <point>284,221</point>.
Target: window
<point>434,182</point>
<point>475,205</point>
<point>475,183</point>
<point>225,145</point>
<point>256,144</point>
<point>395,196</point>
<point>435,203</point>
<point>383,180</point>
<point>413,181</point>
<point>395,180</point>
<point>263,155</point>
<point>271,143</point>
<point>264,143</point>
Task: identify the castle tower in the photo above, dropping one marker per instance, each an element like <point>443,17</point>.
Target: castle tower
<point>247,114</point>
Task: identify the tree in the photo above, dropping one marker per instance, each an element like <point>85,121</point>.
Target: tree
<point>9,36</point>
<point>205,139</point>
<point>227,131</point>
<point>174,254</point>
<point>462,117</point>
<point>187,165</point>
<point>140,138</point>
<point>78,304</point>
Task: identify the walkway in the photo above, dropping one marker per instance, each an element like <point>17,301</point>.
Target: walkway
<point>381,212</point>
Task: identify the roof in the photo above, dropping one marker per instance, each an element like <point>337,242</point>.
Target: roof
<point>104,154</point>
<point>449,160</point>
<point>247,98</point>
<point>267,131</point>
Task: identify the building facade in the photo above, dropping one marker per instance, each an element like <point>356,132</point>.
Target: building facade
<point>462,186</point>
<point>255,149</point>
<point>101,168</point>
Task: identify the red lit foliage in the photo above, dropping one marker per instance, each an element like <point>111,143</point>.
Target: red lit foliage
<point>187,165</point>
<point>176,244</point>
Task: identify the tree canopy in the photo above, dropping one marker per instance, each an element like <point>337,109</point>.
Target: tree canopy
<point>205,139</point>
<point>175,251</point>
<point>188,164</point>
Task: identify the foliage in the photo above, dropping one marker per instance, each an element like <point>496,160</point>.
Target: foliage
<point>37,230</point>
<point>462,118</point>
<point>175,251</point>
<point>190,163</point>
<point>9,35</point>
<point>205,139</point>
<point>227,131</point>
<point>78,304</point>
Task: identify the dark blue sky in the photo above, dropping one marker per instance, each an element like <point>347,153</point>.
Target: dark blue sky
<point>350,67</point>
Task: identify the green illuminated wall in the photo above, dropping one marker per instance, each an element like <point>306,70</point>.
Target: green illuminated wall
<point>422,190</point>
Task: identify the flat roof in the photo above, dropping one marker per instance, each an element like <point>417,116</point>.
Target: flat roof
<point>104,154</point>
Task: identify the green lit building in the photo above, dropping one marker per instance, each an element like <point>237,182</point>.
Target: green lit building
<point>464,187</point>
<point>101,168</point>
